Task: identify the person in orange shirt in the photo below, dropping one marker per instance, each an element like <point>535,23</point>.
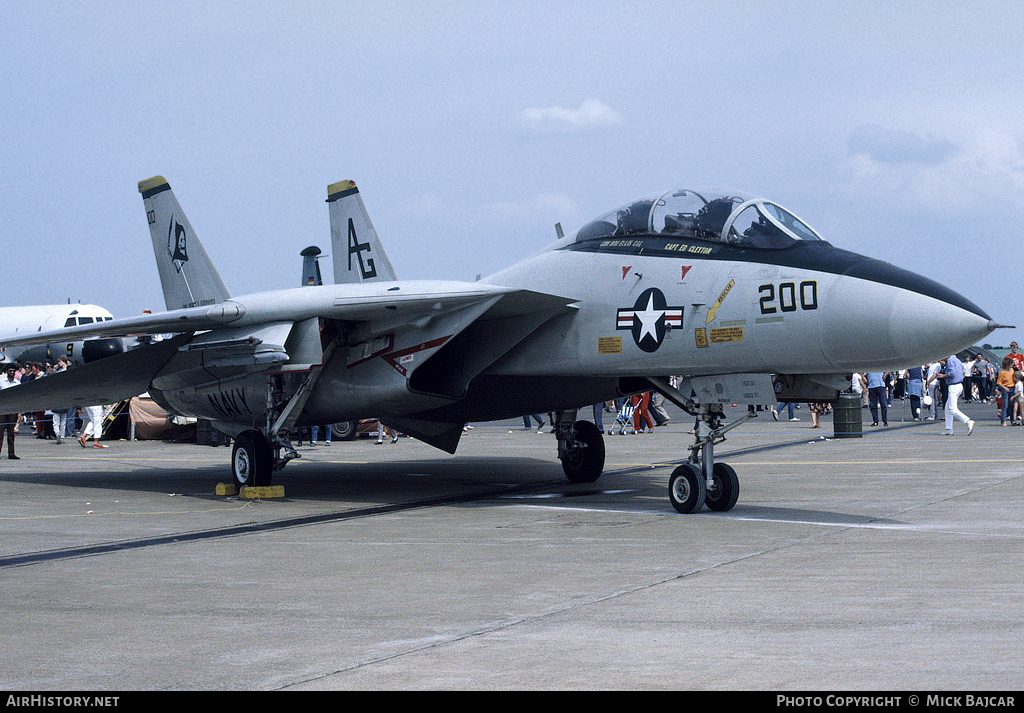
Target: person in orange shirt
<point>1004,385</point>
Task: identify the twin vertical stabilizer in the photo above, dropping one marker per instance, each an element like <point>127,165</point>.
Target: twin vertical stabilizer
<point>358,253</point>
<point>188,276</point>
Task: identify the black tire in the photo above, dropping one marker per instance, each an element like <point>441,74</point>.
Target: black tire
<point>687,488</point>
<point>345,430</point>
<point>586,463</point>
<point>725,488</point>
<point>251,459</point>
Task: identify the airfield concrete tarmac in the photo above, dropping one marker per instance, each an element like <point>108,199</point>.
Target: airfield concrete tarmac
<point>888,562</point>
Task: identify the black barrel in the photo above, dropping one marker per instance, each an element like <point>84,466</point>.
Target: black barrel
<point>205,433</point>
<point>846,418</point>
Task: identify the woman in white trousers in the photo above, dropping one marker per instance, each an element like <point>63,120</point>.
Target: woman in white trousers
<point>93,427</point>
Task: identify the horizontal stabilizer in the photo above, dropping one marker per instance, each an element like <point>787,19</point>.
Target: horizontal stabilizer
<point>443,436</point>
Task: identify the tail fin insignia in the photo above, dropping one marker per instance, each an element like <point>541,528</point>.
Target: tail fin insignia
<point>187,275</point>
<point>358,253</point>
<point>177,243</point>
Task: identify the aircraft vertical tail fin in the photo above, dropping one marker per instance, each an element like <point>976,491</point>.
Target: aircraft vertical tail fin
<point>311,267</point>
<point>187,275</point>
<point>358,253</point>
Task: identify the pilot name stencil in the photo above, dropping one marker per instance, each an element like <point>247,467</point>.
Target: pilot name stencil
<point>649,319</point>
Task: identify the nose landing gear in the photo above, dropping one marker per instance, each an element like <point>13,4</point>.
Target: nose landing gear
<point>701,481</point>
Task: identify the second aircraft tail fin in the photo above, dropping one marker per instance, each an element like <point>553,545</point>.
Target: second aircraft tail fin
<point>311,267</point>
<point>358,253</point>
<point>187,274</point>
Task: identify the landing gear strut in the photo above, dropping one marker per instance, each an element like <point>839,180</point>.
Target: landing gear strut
<point>258,454</point>
<point>700,481</point>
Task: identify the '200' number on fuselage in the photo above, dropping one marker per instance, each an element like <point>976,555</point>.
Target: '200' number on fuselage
<point>788,297</point>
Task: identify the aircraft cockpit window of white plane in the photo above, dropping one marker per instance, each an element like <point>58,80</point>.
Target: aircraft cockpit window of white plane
<point>73,321</point>
<point>705,215</point>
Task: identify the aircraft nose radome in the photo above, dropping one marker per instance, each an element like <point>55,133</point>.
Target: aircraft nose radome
<point>901,321</point>
<point>927,329</point>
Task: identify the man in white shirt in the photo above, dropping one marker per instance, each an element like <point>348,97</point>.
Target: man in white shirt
<point>8,421</point>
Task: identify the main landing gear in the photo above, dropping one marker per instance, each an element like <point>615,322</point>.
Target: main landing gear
<point>257,454</point>
<point>698,482</point>
<point>580,448</point>
<point>252,459</point>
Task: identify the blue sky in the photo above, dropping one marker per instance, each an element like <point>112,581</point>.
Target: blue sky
<point>895,129</point>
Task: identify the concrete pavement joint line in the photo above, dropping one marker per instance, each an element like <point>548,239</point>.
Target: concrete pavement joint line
<point>955,496</point>
<point>831,528</point>
<point>528,619</point>
<point>107,548</point>
<point>25,559</point>
<point>874,523</point>
<point>121,459</point>
<point>891,461</point>
<point>568,607</point>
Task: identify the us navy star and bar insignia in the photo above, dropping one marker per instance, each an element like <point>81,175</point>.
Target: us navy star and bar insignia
<point>649,319</point>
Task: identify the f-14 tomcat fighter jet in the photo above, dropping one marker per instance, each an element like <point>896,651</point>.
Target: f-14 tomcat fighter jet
<point>734,295</point>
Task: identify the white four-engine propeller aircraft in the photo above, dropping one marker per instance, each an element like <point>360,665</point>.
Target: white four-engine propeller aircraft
<point>733,293</point>
<point>40,318</point>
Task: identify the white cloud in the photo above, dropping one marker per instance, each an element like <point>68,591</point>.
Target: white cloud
<point>592,113</point>
<point>943,175</point>
<point>890,146</point>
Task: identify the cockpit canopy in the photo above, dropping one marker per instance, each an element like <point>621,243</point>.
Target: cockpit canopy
<point>709,215</point>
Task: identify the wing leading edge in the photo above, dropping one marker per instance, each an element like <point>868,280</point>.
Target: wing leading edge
<point>384,306</point>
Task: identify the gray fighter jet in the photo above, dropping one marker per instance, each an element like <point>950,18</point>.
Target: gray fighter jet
<point>733,295</point>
